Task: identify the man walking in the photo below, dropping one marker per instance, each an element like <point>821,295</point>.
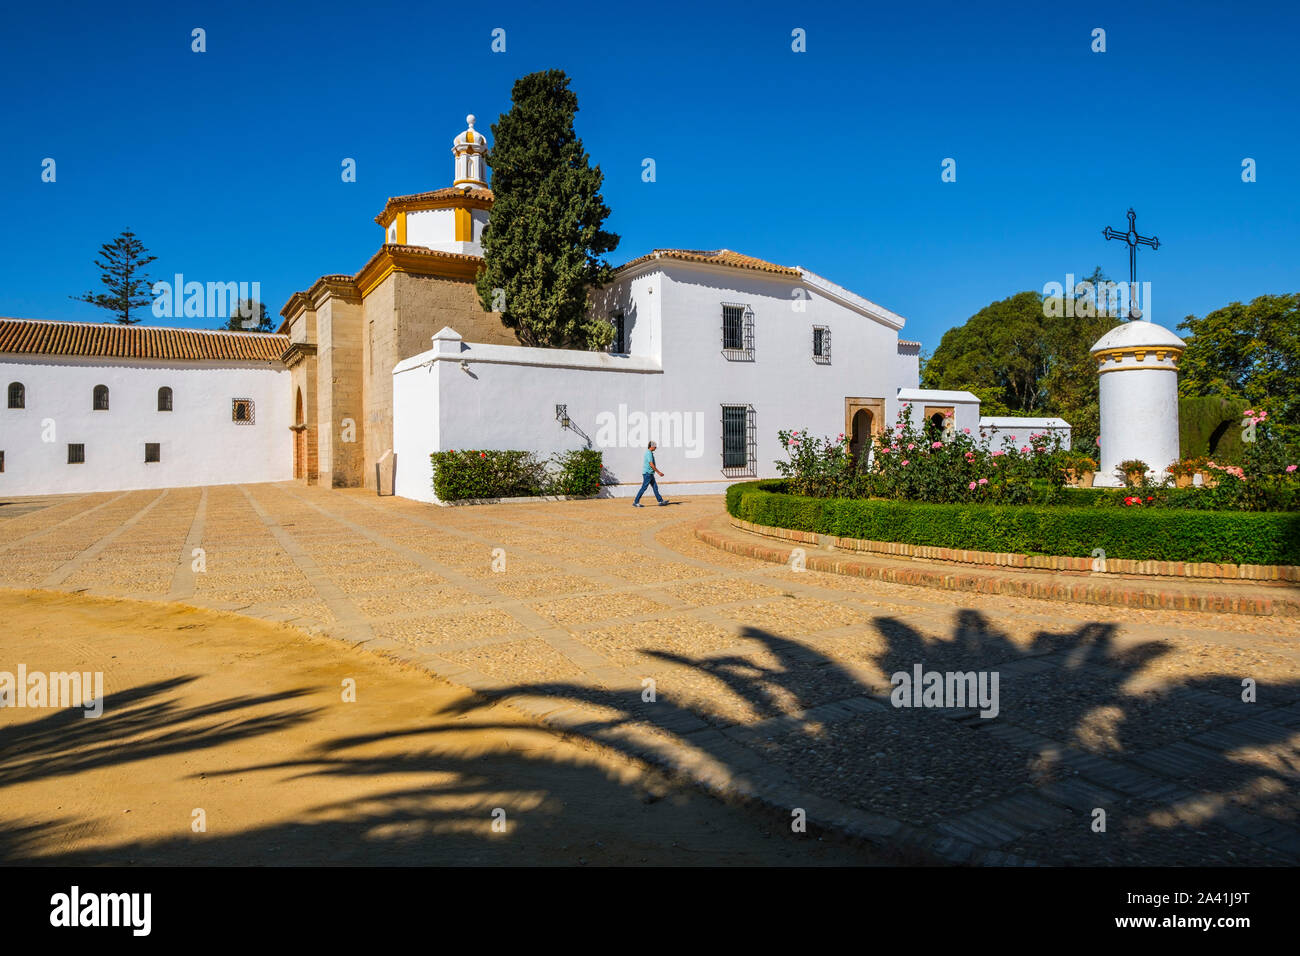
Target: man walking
<point>648,471</point>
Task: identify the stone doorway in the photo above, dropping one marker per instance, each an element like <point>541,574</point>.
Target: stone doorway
<point>299,439</point>
<point>863,418</point>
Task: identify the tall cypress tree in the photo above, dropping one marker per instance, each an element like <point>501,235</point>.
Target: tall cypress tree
<point>122,263</point>
<point>543,244</point>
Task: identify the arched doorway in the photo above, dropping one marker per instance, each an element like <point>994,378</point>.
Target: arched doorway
<point>860,434</point>
<point>299,439</point>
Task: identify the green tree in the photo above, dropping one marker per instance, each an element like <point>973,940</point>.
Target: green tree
<point>1251,352</point>
<point>248,315</point>
<point>1001,347</point>
<point>543,245</point>
<point>121,263</point>
<point>1030,355</point>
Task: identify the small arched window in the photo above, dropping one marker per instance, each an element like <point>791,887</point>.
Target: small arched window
<point>101,398</point>
<point>17,395</point>
<point>164,399</point>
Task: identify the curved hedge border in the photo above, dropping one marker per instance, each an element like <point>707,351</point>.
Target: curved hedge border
<point>1221,537</point>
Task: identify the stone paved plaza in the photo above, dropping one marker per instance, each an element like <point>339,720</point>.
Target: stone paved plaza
<point>770,684</point>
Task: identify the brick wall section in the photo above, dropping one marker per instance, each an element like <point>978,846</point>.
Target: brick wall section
<point>1036,562</point>
<point>379,354</point>
<point>407,310</point>
<point>339,392</point>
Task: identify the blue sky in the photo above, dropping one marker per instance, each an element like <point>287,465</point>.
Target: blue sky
<point>227,163</point>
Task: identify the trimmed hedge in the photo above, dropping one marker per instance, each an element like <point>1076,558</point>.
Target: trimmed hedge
<point>1221,537</point>
<point>463,474</point>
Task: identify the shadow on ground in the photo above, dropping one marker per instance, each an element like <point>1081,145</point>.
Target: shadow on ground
<point>1187,773</point>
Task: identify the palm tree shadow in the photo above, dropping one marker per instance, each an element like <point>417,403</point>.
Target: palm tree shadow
<point>1084,722</point>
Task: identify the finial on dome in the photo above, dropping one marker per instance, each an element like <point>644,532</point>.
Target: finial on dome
<point>470,120</point>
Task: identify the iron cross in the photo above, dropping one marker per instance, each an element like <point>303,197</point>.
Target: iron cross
<point>1134,240</point>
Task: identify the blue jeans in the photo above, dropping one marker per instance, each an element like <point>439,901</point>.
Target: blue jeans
<point>648,481</point>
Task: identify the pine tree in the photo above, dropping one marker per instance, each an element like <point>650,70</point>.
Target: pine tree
<point>543,244</point>
<point>122,263</point>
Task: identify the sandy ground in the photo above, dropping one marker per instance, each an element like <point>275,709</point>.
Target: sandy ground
<point>245,721</point>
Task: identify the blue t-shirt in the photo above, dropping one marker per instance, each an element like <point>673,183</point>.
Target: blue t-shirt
<point>648,463</point>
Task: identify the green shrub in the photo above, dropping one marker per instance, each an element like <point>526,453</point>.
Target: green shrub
<point>578,472</point>
<point>483,473</point>
<point>1137,533</point>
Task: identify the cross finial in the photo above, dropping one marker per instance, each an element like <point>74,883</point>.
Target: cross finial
<point>1134,240</point>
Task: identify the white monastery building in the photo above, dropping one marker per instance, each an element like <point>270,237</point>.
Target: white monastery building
<point>714,352</point>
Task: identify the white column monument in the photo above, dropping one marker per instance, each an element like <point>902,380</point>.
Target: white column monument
<point>1138,365</point>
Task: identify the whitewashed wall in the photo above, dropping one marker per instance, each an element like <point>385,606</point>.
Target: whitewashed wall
<point>200,444</point>
<point>676,368</point>
<point>995,432</point>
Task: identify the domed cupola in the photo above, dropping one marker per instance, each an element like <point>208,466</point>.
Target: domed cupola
<point>470,152</point>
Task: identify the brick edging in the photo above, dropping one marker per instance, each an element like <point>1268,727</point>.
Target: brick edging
<point>1087,591</point>
<point>1031,562</point>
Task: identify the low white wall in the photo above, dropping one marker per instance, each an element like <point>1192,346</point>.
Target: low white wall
<point>200,444</point>
<point>994,437</point>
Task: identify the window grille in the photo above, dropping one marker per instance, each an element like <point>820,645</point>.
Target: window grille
<point>241,411</point>
<point>619,345</point>
<point>739,441</point>
<point>737,332</point>
<point>17,395</point>
<point>164,399</point>
<point>101,398</point>
<point>76,454</point>
<point>152,452</point>
<point>821,351</point>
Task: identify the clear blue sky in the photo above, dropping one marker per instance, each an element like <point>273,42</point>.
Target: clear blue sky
<point>227,163</point>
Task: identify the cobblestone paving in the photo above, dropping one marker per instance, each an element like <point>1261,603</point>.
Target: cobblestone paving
<point>768,684</point>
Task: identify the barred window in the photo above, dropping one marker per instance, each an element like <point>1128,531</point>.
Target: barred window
<point>241,411</point>
<point>737,332</point>
<point>739,441</point>
<point>164,399</point>
<point>17,395</point>
<point>152,451</point>
<point>100,399</point>
<point>619,321</point>
<point>76,454</point>
<point>2,462</point>
<point>821,350</point>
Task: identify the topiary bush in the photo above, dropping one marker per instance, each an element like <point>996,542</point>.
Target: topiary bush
<point>1136,532</point>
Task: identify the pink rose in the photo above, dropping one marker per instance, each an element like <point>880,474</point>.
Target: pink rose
<point>1024,449</point>
<point>1290,468</point>
<point>984,481</point>
<point>965,431</point>
<point>937,444</point>
<point>910,447</point>
<point>972,486</point>
<point>905,462</point>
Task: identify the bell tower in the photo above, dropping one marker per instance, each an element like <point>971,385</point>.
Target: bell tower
<point>470,152</point>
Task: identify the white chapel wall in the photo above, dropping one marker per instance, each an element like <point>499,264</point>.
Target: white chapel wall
<point>200,444</point>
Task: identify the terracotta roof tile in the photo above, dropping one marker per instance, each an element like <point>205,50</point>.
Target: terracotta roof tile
<point>722,257</point>
<point>49,337</point>
<point>436,196</point>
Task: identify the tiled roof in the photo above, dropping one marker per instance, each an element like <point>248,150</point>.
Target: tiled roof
<point>722,257</point>
<point>432,199</point>
<point>48,337</point>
